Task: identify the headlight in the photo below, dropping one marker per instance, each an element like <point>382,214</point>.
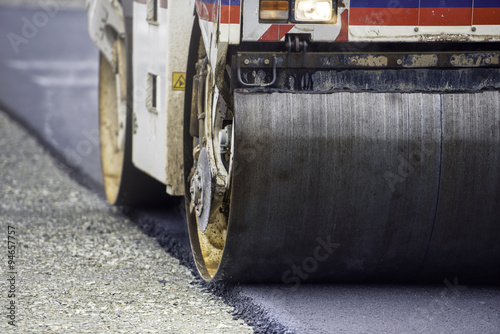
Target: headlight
<point>313,10</point>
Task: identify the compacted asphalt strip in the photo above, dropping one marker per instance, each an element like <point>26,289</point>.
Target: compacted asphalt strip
<point>49,84</point>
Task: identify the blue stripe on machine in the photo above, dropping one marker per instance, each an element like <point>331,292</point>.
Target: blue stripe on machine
<point>445,3</point>
<point>486,3</point>
<point>384,3</point>
<point>421,3</point>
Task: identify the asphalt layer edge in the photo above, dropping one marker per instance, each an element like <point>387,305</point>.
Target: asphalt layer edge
<point>244,308</point>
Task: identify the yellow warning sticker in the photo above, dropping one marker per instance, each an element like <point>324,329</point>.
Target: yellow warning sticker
<point>178,81</point>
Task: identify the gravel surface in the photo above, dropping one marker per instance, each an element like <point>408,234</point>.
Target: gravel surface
<point>80,265</point>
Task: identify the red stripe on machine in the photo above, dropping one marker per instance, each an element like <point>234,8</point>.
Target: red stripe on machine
<point>276,32</point>
<point>455,16</point>
<point>383,16</point>
<point>230,14</point>
<point>486,16</point>
<point>344,29</point>
<point>449,16</point>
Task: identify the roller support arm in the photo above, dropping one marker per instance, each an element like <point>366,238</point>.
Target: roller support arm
<point>106,23</point>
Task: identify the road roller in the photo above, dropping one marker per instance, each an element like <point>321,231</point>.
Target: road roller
<point>312,140</point>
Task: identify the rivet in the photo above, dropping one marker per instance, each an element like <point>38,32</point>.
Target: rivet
<point>487,60</point>
<point>415,29</point>
<point>473,28</point>
<point>266,61</point>
<point>399,61</point>
<point>247,61</point>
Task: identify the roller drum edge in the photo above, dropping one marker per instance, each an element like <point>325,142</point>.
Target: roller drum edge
<point>357,187</point>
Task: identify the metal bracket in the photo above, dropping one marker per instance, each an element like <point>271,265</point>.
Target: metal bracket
<point>275,61</point>
<point>106,23</point>
<point>294,43</point>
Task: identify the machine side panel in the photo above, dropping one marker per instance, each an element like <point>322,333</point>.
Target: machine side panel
<point>160,59</point>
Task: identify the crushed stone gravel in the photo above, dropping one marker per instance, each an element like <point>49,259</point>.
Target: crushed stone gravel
<point>81,265</point>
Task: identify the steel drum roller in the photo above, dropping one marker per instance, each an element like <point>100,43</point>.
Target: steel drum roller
<point>356,187</point>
